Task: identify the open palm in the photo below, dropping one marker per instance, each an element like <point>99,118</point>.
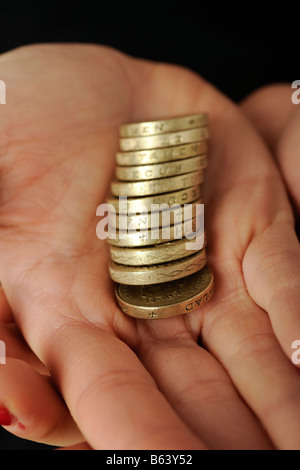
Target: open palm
<point>134,383</point>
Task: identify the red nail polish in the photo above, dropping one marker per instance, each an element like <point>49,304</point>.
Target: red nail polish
<point>5,417</point>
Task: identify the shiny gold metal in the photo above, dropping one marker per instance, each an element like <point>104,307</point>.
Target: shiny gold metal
<point>167,154</point>
<point>157,254</point>
<point>169,299</point>
<point>159,273</point>
<point>163,126</point>
<point>169,216</point>
<point>158,186</point>
<point>143,204</point>
<point>153,236</point>
<point>161,170</point>
<point>164,140</point>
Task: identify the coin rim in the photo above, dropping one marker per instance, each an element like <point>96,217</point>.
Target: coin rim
<point>167,311</point>
<point>134,216</point>
<point>171,124</point>
<point>164,185</point>
<point>199,161</point>
<point>149,200</point>
<point>132,239</point>
<point>127,144</point>
<point>131,254</point>
<point>137,157</point>
<point>133,205</point>
<point>139,275</point>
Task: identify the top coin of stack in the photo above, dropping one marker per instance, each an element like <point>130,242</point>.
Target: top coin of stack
<point>160,162</point>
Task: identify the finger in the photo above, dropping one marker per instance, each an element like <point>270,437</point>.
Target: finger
<point>287,153</point>
<point>6,315</point>
<point>236,331</point>
<point>31,409</point>
<point>101,377</point>
<point>199,389</point>
<point>272,273</point>
<point>269,109</point>
<point>16,347</point>
<point>277,119</point>
<point>239,334</point>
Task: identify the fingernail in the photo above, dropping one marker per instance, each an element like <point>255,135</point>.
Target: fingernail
<point>6,418</point>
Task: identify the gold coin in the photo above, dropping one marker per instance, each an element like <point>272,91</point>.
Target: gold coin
<point>158,186</point>
<point>161,170</point>
<point>163,253</point>
<point>144,204</point>
<point>159,273</point>
<point>170,216</point>
<point>168,154</point>
<point>169,299</point>
<point>164,140</point>
<point>163,126</point>
<point>153,236</point>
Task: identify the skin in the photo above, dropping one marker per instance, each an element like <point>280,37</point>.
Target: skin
<point>208,379</point>
<point>277,120</point>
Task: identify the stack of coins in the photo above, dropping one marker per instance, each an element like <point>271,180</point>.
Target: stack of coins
<point>160,272</point>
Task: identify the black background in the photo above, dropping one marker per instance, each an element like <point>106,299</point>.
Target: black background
<point>237,46</point>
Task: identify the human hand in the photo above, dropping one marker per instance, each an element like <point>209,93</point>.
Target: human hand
<point>29,393</point>
<point>277,119</point>
<point>140,384</point>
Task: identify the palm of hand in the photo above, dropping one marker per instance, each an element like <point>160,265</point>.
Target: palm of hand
<point>57,159</point>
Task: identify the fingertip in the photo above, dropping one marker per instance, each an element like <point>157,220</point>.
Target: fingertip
<point>36,410</point>
<point>287,151</point>
<point>269,108</point>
